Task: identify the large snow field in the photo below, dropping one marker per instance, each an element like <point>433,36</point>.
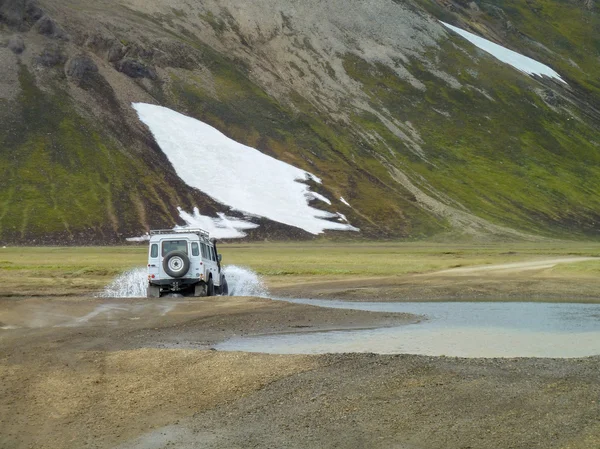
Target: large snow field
<point>235,175</point>
<point>517,60</point>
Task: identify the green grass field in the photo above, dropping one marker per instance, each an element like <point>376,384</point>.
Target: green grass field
<point>71,271</point>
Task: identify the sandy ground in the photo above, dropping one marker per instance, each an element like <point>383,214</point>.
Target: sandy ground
<point>102,373</point>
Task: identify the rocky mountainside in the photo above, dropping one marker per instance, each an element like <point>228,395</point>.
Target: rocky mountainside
<point>417,129</point>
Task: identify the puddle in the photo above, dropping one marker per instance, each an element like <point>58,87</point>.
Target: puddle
<point>456,329</point>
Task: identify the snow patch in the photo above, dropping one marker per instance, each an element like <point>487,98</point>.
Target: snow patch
<point>342,217</point>
<point>141,238</point>
<point>222,227</point>
<point>318,196</point>
<point>236,175</point>
<point>517,60</point>
<point>344,201</point>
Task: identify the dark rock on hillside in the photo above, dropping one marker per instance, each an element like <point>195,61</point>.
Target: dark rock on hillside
<point>33,12</point>
<point>51,56</point>
<point>105,46</point>
<point>20,14</point>
<point>551,98</point>
<point>135,69</point>
<point>83,71</point>
<point>12,12</point>
<point>16,44</point>
<point>81,68</point>
<point>116,52</point>
<point>98,42</point>
<point>49,28</point>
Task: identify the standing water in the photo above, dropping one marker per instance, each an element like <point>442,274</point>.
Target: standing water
<point>461,329</point>
<point>133,283</point>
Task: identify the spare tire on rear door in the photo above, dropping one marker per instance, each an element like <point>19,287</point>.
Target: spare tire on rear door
<point>176,264</point>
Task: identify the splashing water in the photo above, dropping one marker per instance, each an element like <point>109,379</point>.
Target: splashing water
<point>133,283</point>
<point>244,282</point>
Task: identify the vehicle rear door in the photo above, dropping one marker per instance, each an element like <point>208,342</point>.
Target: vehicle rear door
<point>196,265</point>
<point>154,260</point>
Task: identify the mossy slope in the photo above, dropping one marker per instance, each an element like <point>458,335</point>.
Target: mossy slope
<point>518,152</point>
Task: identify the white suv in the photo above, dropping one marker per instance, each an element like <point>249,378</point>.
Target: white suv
<point>184,261</point>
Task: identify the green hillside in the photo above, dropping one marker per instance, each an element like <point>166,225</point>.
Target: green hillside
<point>422,133</point>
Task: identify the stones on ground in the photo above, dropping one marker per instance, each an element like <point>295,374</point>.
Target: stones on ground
<point>51,56</point>
<point>12,12</point>
<point>116,52</point>
<point>135,69</point>
<point>106,46</point>
<point>16,44</point>
<point>81,68</point>
<point>49,28</point>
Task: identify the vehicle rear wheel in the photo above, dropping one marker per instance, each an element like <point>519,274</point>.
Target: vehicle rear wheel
<point>153,291</point>
<point>200,290</point>
<point>210,288</point>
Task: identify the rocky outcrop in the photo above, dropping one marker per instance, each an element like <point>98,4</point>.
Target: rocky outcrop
<point>16,44</point>
<point>81,69</point>
<point>12,12</point>
<point>46,26</point>
<point>135,69</point>
<point>51,56</point>
<point>19,14</point>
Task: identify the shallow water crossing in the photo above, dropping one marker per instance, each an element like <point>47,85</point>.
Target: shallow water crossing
<point>460,329</point>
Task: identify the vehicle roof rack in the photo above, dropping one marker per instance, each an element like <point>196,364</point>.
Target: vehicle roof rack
<point>197,231</point>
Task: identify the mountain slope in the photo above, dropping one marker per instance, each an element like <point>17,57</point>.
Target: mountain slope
<point>420,131</point>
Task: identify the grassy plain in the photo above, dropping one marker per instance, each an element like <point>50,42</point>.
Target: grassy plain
<point>75,271</point>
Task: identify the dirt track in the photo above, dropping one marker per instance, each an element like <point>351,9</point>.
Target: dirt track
<point>516,267</point>
<point>83,372</point>
<point>514,281</point>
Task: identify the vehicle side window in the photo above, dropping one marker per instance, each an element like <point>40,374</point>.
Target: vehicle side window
<point>154,250</point>
<point>195,249</point>
<point>212,253</point>
<point>204,255</point>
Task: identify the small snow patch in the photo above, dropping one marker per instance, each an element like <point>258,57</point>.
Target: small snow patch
<point>517,60</point>
<point>141,238</point>
<point>221,227</point>
<point>317,196</point>
<point>344,201</point>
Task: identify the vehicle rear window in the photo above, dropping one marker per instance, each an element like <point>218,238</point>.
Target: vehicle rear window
<point>204,252</point>
<point>154,250</point>
<point>195,249</point>
<point>174,245</point>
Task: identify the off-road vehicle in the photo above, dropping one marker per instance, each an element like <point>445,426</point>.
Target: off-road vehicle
<point>186,262</point>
